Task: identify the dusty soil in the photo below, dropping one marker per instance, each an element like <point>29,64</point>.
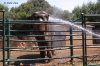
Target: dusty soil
<point>59,53</point>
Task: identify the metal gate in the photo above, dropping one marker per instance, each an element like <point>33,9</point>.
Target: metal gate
<point>72,32</point>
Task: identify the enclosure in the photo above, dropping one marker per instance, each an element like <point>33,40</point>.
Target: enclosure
<point>72,45</point>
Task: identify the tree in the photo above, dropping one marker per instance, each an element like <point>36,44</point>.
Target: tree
<point>3,7</point>
<point>76,12</point>
<point>26,9</point>
<point>92,8</point>
<point>66,15</point>
<point>89,8</point>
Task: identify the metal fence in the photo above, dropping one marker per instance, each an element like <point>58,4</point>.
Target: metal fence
<point>72,34</point>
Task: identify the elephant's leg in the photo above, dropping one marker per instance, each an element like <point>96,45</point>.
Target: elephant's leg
<point>53,51</point>
<point>42,53</point>
<point>52,33</point>
<point>40,44</point>
<point>49,52</point>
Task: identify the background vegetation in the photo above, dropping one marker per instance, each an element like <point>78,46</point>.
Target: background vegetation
<point>89,8</point>
<point>26,9</point>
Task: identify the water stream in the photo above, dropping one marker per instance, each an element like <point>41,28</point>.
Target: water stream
<point>72,24</point>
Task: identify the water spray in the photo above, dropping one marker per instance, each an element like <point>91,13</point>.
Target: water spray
<point>72,24</point>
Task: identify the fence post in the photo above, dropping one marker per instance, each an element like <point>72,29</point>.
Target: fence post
<point>71,44</point>
<point>8,41</point>
<point>84,41</point>
<point>3,38</point>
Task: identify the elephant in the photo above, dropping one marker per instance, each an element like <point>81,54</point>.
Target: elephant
<point>41,15</point>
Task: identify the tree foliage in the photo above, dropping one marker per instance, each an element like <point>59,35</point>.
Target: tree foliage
<point>26,9</point>
<point>89,8</point>
<point>3,7</point>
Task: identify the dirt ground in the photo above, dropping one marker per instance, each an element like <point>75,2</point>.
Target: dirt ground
<point>59,53</point>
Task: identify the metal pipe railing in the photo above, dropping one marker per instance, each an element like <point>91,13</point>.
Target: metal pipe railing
<point>3,44</point>
<point>83,34</point>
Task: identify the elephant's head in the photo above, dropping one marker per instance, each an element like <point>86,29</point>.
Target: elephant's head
<point>40,15</point>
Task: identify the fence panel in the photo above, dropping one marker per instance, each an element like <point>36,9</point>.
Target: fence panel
<point>72,45</point>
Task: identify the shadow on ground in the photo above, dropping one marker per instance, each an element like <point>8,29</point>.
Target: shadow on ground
<point>28,62</point>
